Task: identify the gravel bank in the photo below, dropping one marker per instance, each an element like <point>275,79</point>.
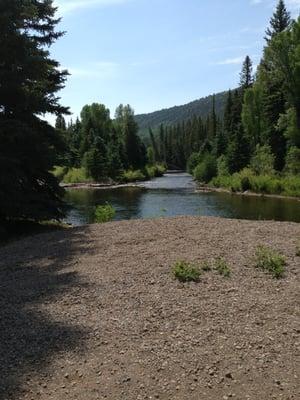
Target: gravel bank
<point>94,313</point>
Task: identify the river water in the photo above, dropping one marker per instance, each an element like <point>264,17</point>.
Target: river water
<point>174,194</point>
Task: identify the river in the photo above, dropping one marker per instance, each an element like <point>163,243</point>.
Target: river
<point>174,194</point>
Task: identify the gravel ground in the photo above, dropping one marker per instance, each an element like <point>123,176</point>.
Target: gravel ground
<point>94,313</point>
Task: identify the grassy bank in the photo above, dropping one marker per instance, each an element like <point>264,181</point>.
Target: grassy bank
<point>79,175</point>
<point>246,180</point>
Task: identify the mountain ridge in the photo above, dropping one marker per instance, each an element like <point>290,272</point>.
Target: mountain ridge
<point>173,115</point>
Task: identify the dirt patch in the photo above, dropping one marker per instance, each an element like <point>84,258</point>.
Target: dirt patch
<point>94,313</point>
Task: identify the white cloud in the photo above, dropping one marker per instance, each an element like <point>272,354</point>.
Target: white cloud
<point>97,70</point>
<point>66,6</point>
<point>231,61</point>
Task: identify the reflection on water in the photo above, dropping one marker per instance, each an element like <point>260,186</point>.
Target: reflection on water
<point>174,194</point>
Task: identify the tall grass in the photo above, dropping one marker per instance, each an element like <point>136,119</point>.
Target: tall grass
<point>288,185</point>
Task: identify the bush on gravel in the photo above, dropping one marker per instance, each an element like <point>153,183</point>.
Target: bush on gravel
<point>186,272</point>
<point>222,267</point>
<point>270,261</point>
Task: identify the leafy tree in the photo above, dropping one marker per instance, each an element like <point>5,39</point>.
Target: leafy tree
<point>293,160</point>
<point>207,169</point>
<point>134,148</point>
<point>262,162</point>
<point>252,115</point>
<point>29,81</point>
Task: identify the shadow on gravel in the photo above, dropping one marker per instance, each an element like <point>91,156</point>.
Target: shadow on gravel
<point>28,337</point>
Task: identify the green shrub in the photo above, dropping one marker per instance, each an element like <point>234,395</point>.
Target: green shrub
<point>206,170</point>
<point>59,172</point>
<point>262,162</point>
<point>270,261</point>
<point>194,160</point>
<point>133,176</point>
<point>186,272</point>
<point>221,266</point>
<point>104,213</point>
<point>154,171</point>
<point>205,266</point>
<point>293,160</point>
<point>77,175</point>
<point>222,166</point>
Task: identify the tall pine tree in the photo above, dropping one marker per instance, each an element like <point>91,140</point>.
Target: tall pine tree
<point>29,81</point>
<point>280,21</point>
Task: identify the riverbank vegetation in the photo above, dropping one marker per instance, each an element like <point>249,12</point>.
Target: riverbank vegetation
<point>98,149</point>
<point>256,145</point>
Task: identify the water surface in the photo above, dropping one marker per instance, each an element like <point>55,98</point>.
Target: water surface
<point>174,194</point>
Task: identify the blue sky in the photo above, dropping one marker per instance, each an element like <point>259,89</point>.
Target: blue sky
<point>155,54</point>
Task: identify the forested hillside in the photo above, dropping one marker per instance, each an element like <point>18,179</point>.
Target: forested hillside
<point>170,116</point>
<point>255,144</point>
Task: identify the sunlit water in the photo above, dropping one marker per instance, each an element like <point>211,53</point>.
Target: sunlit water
<point>174,194</point>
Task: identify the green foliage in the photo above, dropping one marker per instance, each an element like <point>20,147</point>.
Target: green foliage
<point>293,161</point>
<point>154,171</point>
<point>150,156</point>
<point>262,162</point>
<point>246,77</point>
<point>186,272</point>
<point>59,172</point>
<point>29,82</point>
<point>222,167</point>
<point>206,170</point>
<point>280,21</point>
<point>252,115</point>
<point>268,184</point>
<point>205,266</point>
<point>133,176</point>
<point>238,151</point>
<point>270,261</point>
<point>94,163</point>
<point>194,160</point>
<point>104,213</point>
<point>134,148</point>
<point>76,175</point>
<point>222,267</point>
<point>287,123</point>
<point>174,115</point>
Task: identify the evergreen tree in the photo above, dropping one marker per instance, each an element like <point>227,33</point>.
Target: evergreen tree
<point>134,148</point>
<point>213,120</point>
<point>29,81</point>
<point>238,152</point>
<point>280,21</point>
<point>154,145</point>
<point>228,120</point>
<point>162,150</point>
<point>60,123</point>
<point>246,76</point>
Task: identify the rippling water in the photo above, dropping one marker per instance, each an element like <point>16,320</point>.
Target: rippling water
<point>174,194</point>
